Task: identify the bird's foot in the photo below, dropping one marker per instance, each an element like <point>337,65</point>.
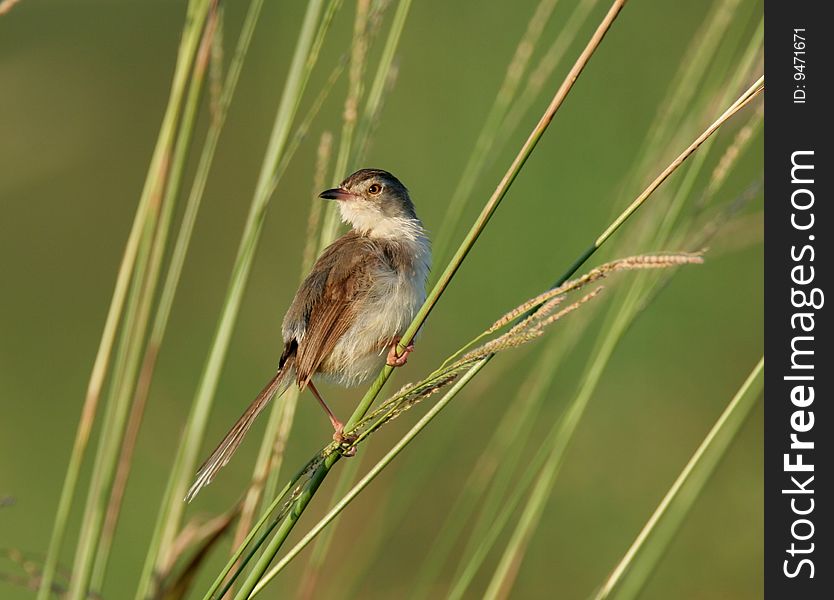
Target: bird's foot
<point>345,442</point>
<point>398,360</point>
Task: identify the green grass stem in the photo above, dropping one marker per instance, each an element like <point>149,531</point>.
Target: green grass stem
<point>125,390</point>
<point>151,193</point>
<point>358,56</point>
<point>631,573</point>
<point>544,69</point>
<point>504,575</point>
<point>171,510</point>
<point>477,228</point>
<point>183,239</point>
<point>363,483</point>
<point>376,92</point>
<point>486,138</point>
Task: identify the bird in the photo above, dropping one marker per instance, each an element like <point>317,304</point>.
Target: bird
<point>351,311</point>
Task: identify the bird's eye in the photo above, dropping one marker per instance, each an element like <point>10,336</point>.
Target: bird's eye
<point>374,189</point>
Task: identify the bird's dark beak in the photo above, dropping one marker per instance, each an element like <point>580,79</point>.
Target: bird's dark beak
<point>336,194</point>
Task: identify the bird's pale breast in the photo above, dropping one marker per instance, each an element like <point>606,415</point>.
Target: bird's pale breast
<point>395,296</point>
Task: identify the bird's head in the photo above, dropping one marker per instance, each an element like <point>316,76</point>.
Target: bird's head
<point>374,202</point>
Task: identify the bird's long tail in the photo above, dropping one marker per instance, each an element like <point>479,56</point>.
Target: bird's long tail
<point>230,443</point>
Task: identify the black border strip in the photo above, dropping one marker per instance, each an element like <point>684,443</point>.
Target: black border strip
<point>798,370</point>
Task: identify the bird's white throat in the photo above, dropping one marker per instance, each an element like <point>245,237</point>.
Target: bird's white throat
<point>369,221</point>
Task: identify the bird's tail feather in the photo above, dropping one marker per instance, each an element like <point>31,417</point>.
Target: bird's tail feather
<point>230,443</point>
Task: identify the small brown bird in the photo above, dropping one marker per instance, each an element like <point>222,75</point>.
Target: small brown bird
<point>350,312</point>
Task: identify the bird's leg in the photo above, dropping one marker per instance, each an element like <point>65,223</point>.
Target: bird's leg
<point>398,360</point>
<point>338,426</point>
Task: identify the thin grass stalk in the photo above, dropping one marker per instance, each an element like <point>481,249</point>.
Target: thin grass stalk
<point>731,155</point>
<point>489,209</point>
<point>92,397</point>
<point>718,177</point>
<point>121,461</point>
<point>219,112</point>
<point>517,110</point>
<point>547,471</point>
<point>494,469</point>
<point>305,123</point>
<point>504,575</point>
<point>302,131</point>
<point>271,452</point>
<point>743,100</point>
<point>93,512</point>
<point>370,114</point>
<point>284,529</point>
<point>662,233</point>
<point>263,465</point>
<point>279,423</point>
<point>290,398</point>
<point>685,189</point>
<point>378,85</point>
<point>373,473</point>
<point>270,457</point>
<point>363,483</point>
<point>464,577</point>
<point>544,69</point>
<point>492,204</point>
<point>93,546</point>
<point>198,186</point>
<point>323,155</point>
<point>696,60</point>
<point>170,513</point>
<point>151,251</point>
<point>509,507</point>
<point>312,570</point>
<point>115,408</point>
<point>393,509</point>
<point>703,237</point>
<point>372,20</point>
<point>558,440</point>
<point>508,466</point>
<point>216,60</point>
<point>289,401</point>
<point>699,55</point>
<point>90,407</point>
<point>700,52</point>
<point>629,576</point>
<point>330,11</point>
<point>600,240</point>
<point>486,138</point>
<point>466,571</point>
<point>223,582</point>
<point>366,25</point>
<point>358,54</point>
<point>156,172</point>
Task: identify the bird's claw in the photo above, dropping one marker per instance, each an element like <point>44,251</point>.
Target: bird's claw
<point>398,360</point>
<point>345,442</point>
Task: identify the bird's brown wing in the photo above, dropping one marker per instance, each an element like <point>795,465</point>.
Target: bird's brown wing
<point>328,302</point>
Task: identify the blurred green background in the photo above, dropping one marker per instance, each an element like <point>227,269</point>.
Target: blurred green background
<point>83,86</point>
